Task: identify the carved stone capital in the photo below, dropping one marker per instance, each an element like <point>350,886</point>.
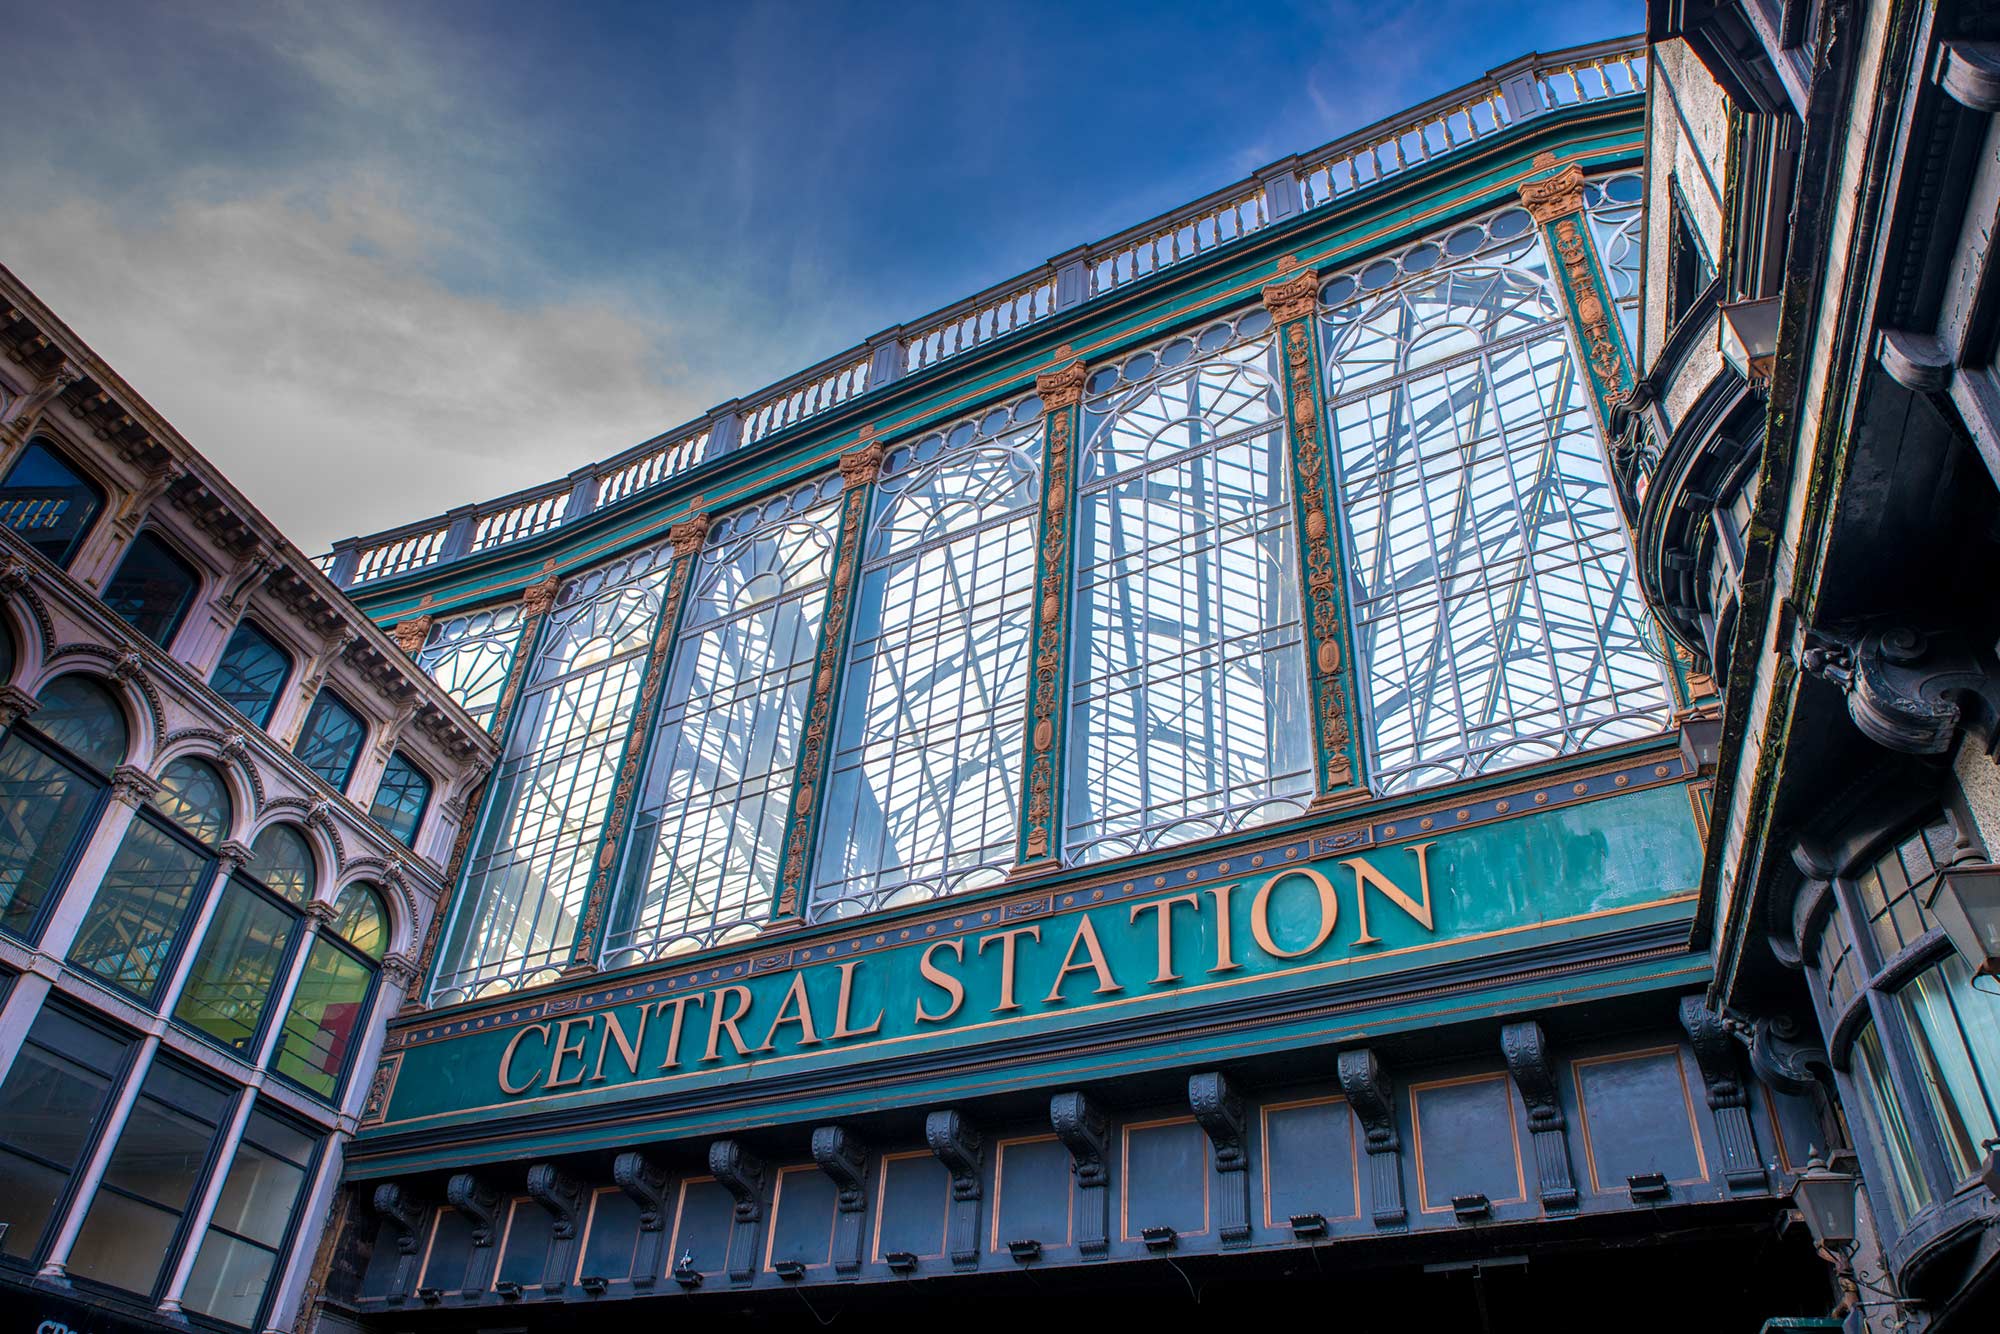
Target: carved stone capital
<point>236,854</point>
<point>1292,298</point>
<point>323,913</point>
<point>16,704</point>
<point>1062,387</point>
<point>1905,689</point>
<point>860,467</point>
<point>132,786</point>
<point>401,969</point>
<point>1554,196</point>
<point>538,598</point>
<point>411,634</point>
<point>687,536</point>
<point>14,574</point>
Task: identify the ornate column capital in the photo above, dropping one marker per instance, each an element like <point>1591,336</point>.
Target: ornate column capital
<point>319,913</point>
<point>411,634</point>
<point>861,467</point>
<point>400,968</point>
<point>538,598</point>
<point>132,786</point>
<point>1292,298</point>
<point>688,535</point>
<point>16,704</point>
<point>1063,387</point>
<point>1554,196</point>
<point>238,854</point>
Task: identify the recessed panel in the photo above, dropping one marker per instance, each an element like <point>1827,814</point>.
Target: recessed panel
<point>1165,1177</point>
<point>1311,1163</point>
<point>702,1217</point>
<point>802,1218</point>
<point>1638,1118</point>
<point>1031,1192</point>
<point>912,1199</point>
<point>526,1246</point>
<point>1467,1142</point>
<point>610,1238</point>
<point>449,1252</point>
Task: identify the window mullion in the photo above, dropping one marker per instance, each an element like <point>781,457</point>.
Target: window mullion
<point>859,471</point>
<point>1340,775</point>
<point>1039,842</point>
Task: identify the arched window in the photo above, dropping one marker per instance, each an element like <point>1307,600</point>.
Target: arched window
<point>1189,695</point>
<point>1497,620</point>
<point>711,816</point>
<point>49,503</point>
<point>282,861</point>
<point>515,917</point>
<point>400,799</point>
<point>132,933</point>
<point>471,655</point>
<point>252,673</point>
<point>330,742</point>
<point>153,588</point>
<point>55,767</point>
<point>923,789</point>
<point>246,952</point>
<point>335,991</point>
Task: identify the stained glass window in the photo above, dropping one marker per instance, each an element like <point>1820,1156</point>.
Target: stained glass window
<point>330,742</point>
<point>711,821</point>
<point>923,791</point>
<point>470,657</point>
<point>515,918</point>
<point>1189,705</point>
<point>252,673</point>
<point>1497,618</point>
<point>400,799</point>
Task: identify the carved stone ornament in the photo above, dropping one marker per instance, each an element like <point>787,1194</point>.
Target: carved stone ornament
<point>411,634</point>
<point>1368,1093</point>
<point>1554,196</point>
<point>860,467</point>
<point>1086,1133</point>
<point>480,1204</point>
<point>1292,298</point>
<point>741,1173</point>
<point>16,704</point>
<point>405,1214</point>
<point>25,411</point>
<point>1061,388</point>
<point>538,598</point>
<point>1905,690</point>
<point>1527,1050</point>
<point>559,1193</point>
<point>960,1147</point>
<point>132,786</point>
<point>1728,1101</point>
<point>1220,1112</point>
<point>1781,1055</point>
<point>844,1158</point>
<point>400,968</point>
<point>687,536</point>
<point>646,1182</point>
<point>14,573</point>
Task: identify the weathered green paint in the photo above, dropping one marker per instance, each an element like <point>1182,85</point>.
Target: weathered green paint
<point>1080,958</point>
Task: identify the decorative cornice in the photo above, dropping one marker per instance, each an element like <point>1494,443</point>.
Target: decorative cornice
<point>1292,298</point>
<point>1554,196</point>
<point>1063,387</point>
<point>688,535</point>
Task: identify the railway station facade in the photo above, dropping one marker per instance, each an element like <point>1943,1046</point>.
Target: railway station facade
<point>1199,774</point>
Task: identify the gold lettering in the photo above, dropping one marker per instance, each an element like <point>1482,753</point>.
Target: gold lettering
<point>679,1005</point>
<point>943,981</point>
<point>1165,926</point>
<point>1006,939</point>
<point>1225,954</point>
<point>1260,913</point>
<point>566,1049</point>
<point>1086,936</point>
<point>796,1008</point>
<point>841,1028</point>
<point>726,1023</point>
<point>615,1032</point>
<point>1366,875</point>
<point>507,1059</point>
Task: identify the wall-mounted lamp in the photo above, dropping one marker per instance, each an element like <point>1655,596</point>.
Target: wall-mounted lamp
<point>1748,336</point>
<point>1964,899</point>
<point>1826,1199</point>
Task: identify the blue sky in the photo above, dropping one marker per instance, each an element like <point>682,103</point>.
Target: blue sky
<point>379,260</point>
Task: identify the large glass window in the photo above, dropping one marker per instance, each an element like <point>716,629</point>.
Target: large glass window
<point>130,933</point>
<point>330,742</point>
<point>400,799</point>
<point>252,673</point>
<point>240,963</point>
<point>331,1003</point>
<point>246,1235</point>
<point>50,1103</point>
<point>128,1235</point>
<point>710,825</point>
<point>54,767</point>
<point>923,791</point>
<point>1189,701</point>
<point>49,503</point>
<point>152,589</point>
<point>1955,1029</point>
<point>470,657</point>
<point>1497,618</point>
<point>282,861</point>
<point>531,863</point>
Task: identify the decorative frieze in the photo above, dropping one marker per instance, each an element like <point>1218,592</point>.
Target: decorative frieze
<point>1040,844</point>
<point>1556,203</point>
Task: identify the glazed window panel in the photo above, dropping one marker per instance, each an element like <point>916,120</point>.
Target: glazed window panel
<point>252,673</point>
<point>532,860</point>
<point>1955,1028</point>
<point>1883,1109</point>
<point>50,1102</point>
<point>325,1016</point>
<point>133,925</point>
<point>49,504</point>
<point>923,787</point>
<point>241,961</point>
<point>1615,207</point>
<point>1190,713</point>
<point>330,741</point>
<point>245,1239</point>
<point>400,799</point>
<point>1497,617</point>
<point>1890,889</point>
<point>152,589</point>
<point>282,861</point>
<point>47,806</point>
<point>710,825</point>
<point>471,655</point>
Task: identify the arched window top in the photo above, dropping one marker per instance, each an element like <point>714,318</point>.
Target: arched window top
<point>471,655</point>
<point>954,480</point>
<point>193,795</point>
<point>252,673</point>
<point>605,614</point>
<point>331,740</point>
<point>360,919</point>
<point>1185,394</point>
<point>81,715</point>
<point>400,799</point>
<point>153,588</point>
<point>48,502</point>
<point>282,862</point>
